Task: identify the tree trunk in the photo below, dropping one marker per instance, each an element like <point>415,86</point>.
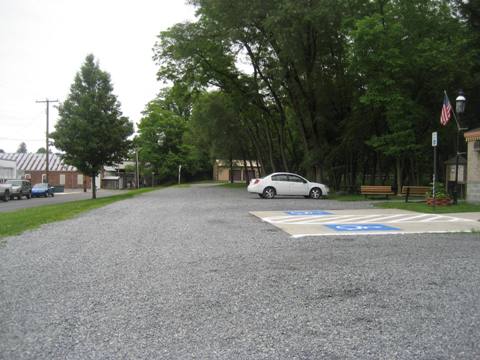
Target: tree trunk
<point>94,186</point>
<point>231,168</point>
<point>399,174</point>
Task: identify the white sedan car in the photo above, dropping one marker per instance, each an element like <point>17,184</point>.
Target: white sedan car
<point>286,184</point>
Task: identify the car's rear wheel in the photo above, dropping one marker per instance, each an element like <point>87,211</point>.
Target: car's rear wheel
<point>29,195</point>
<point>269,193</point>
<point>6,196</point>
<point>316,193</point>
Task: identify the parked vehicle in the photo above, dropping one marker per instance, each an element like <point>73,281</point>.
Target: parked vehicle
<point>286,184</point>
<point>5,190</point>
<point>20,188</point>
<point>42,189</point>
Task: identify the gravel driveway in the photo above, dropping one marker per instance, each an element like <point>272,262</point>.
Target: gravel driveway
<point>185,273</point>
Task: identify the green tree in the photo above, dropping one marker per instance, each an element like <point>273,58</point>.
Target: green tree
<point>42,150</point>
<point>91,130</point>
<point>160,140</point>
<point>22,148</point>
<point>404,55</point>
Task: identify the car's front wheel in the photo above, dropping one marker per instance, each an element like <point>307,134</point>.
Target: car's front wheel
<point>316,193</point>
<point>269,193</point>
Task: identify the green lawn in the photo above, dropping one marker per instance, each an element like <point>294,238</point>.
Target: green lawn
<point>347,197</point>
<point>16,222</point>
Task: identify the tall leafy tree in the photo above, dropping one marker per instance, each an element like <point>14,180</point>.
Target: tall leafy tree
<point>22,148</point>
<point>160,139</point>
<point>91,130</point>
<point>404,55</point>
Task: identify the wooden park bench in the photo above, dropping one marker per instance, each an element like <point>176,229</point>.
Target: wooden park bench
<point>408,191</point>
<point>376,190</point>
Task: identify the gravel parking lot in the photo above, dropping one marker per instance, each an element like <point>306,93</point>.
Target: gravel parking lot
<point>186,273</point>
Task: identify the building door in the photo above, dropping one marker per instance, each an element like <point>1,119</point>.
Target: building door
<point>237,175</point>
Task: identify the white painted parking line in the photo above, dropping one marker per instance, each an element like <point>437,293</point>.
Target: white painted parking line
<point>368,222</point>
<point>361,219</point>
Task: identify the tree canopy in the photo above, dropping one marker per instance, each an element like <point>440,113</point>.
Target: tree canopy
<point>22,148</point>
<point>91,130</point>
<point>343,91</point>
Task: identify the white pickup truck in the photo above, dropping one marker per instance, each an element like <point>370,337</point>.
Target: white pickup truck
<point>5,191</point>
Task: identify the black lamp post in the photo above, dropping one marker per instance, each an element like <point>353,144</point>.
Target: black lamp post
<point>459,109</point>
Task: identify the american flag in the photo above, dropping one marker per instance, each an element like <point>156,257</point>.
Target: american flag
<point>446,111</point>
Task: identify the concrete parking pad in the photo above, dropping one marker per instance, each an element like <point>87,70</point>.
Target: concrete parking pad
<point>299,223</point>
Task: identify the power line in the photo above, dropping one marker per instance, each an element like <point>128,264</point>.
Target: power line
<point>47,101</point>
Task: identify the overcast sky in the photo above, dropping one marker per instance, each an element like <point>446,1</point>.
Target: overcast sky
<point>44,43</point>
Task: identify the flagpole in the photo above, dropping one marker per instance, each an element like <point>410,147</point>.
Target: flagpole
<point>453,112</point>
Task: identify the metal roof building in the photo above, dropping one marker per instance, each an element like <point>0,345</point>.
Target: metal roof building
<point>36,162</point>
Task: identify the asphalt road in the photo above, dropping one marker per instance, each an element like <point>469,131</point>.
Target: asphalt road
<point>69,195</point>
<point>185,273</point>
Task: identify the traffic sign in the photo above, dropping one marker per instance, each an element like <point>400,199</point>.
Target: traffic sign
<point>434,139</point>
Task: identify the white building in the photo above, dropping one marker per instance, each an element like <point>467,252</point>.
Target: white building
<point>8,169</point>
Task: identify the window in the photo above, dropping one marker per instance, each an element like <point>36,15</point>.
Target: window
<point>62,179</point>
<point>44,178</point>
<point>293,178</point>
<point>80,179</point>
<point>279,178</point>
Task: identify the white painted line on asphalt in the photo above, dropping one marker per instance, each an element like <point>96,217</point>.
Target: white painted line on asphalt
<point>409,218</point>
<point>381,233</point>
<point>361,219</point>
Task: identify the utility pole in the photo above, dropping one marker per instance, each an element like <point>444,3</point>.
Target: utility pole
<point>46,101</point>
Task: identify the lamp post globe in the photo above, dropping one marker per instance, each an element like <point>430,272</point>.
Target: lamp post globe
<point>460,103</point>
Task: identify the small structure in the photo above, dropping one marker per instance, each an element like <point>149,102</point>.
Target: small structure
<point>473,172</point>
<point>118,176</point>
<point>450,170</point>
<point>8,169</point>
<point>221,170</point>
<point>33,167</point>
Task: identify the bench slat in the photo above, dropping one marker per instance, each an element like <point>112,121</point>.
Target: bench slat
<point>376,190</point>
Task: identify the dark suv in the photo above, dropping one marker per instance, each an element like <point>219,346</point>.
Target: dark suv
<point>20,188</point>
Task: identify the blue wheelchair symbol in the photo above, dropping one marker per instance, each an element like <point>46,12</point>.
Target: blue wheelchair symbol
<point>308,212</point>
<point>361,227</point>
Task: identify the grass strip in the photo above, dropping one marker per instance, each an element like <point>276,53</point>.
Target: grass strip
<point>347,197</point>
<point>16,222</point>
<point>424,208</point>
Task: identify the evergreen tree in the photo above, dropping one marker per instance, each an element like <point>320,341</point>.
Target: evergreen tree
<point>91,130</point>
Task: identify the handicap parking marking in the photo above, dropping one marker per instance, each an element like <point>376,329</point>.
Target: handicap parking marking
<point>307,212</point>
<point>361,227</point>
<point>301,223</point>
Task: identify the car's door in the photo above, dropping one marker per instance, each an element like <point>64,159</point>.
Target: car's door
<point>281,184</point>
<point>298,185</point>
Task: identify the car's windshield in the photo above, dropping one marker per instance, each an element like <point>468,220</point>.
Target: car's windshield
<point>15,182</point>
<point>40,186</point>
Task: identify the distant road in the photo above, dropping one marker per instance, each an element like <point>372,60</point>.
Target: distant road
<point>68,195</point>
